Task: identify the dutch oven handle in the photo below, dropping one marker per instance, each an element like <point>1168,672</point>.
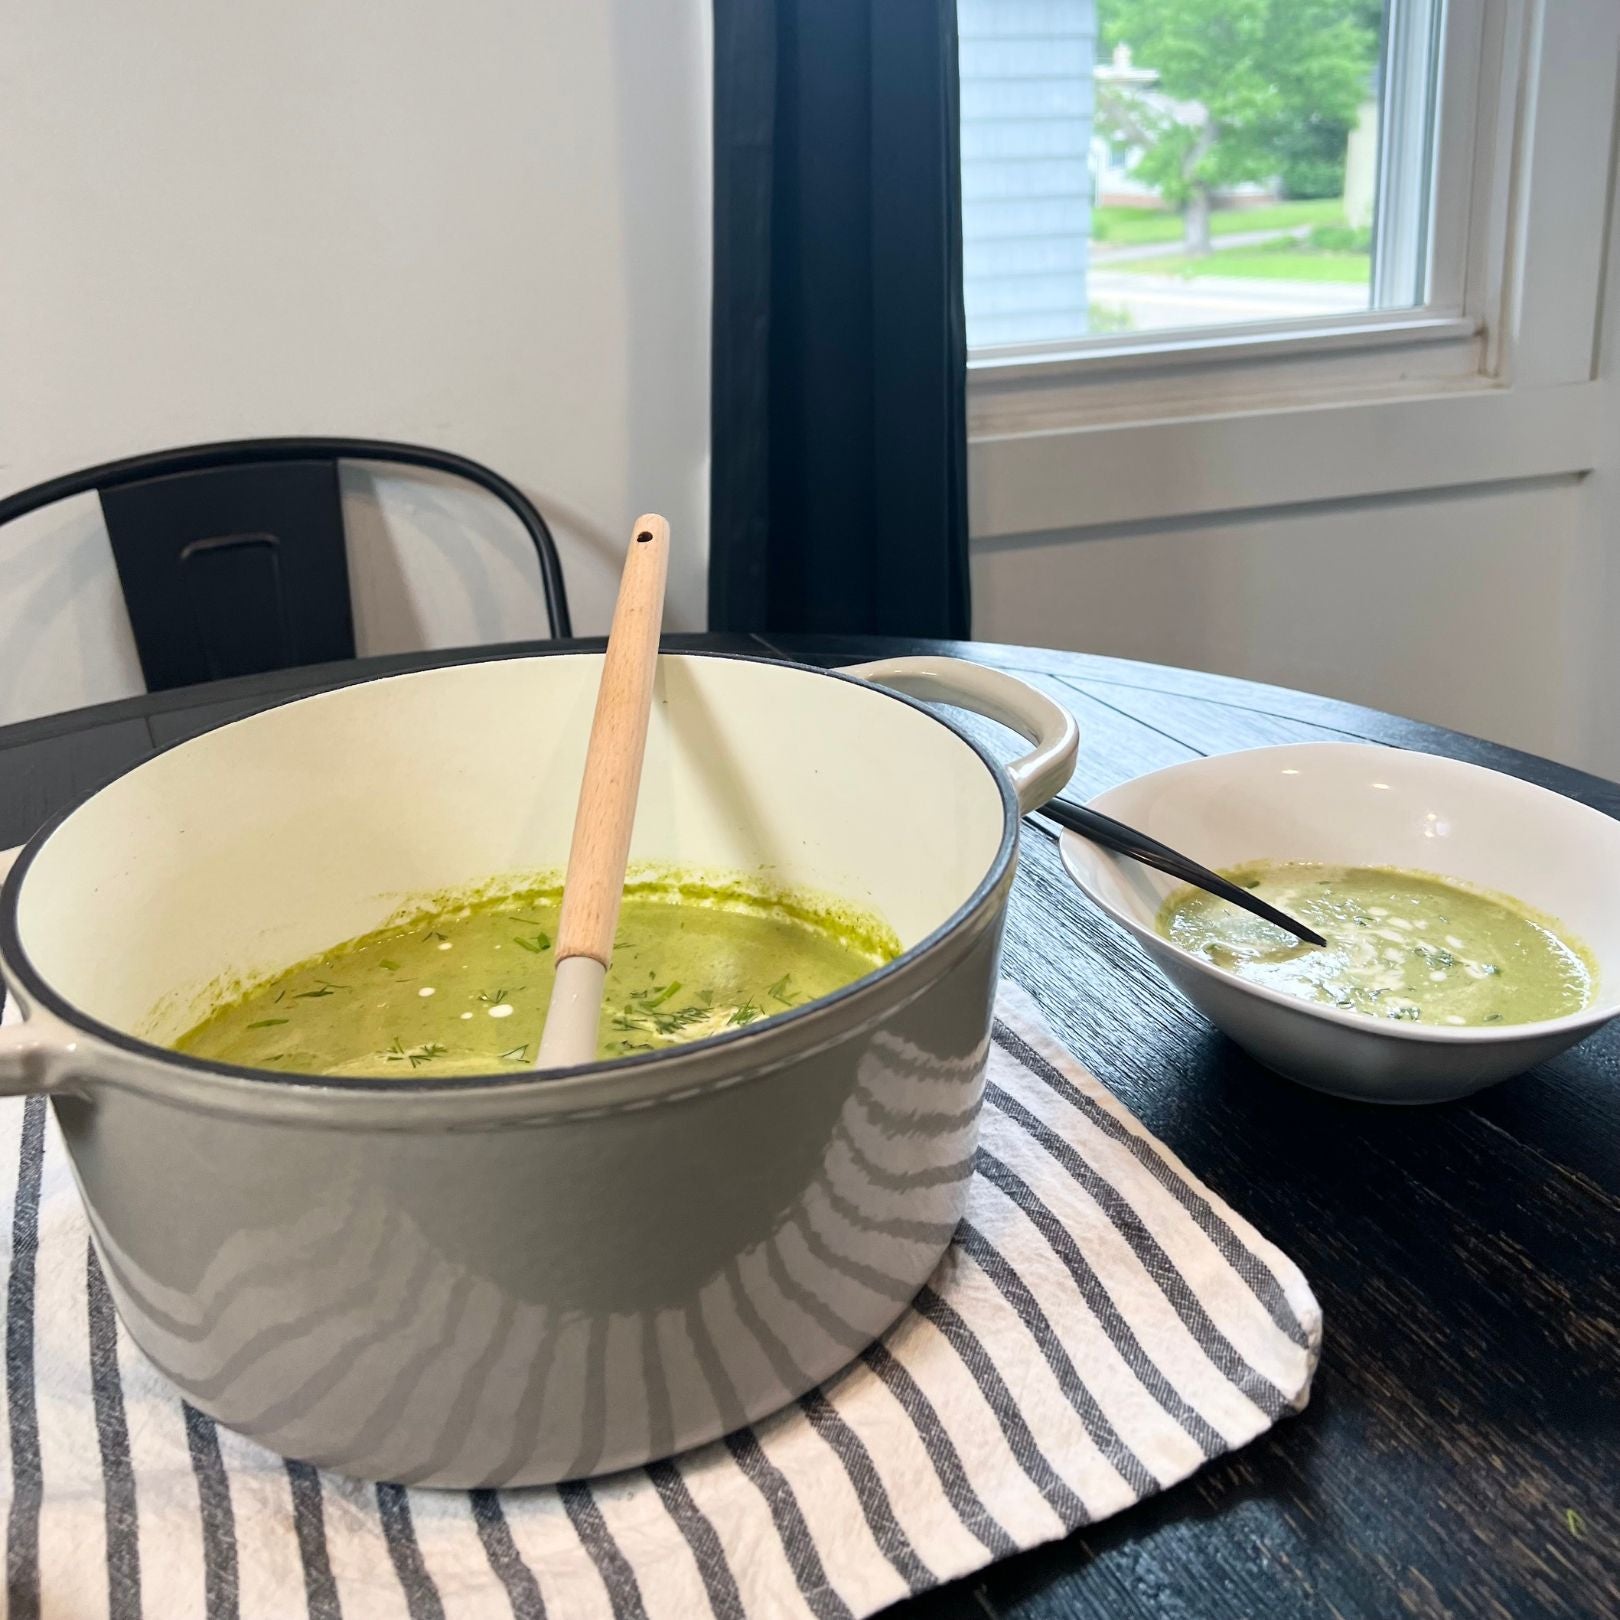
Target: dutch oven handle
<point>1036,776</point>
<point>31,1048</point>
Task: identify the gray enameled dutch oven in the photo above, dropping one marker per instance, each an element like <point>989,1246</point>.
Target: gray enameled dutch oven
<point>517,1279</point>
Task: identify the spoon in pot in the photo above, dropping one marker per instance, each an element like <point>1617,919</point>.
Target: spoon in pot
<point>594,883</point>
<point>1123,840</point>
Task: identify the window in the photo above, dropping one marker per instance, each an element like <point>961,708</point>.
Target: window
<point>1468,360</point>
<point>1137,167</point>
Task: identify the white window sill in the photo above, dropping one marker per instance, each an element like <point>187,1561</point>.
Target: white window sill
<point>1031,363</point>
<point>1062,479</point>
<point>1219,374</point>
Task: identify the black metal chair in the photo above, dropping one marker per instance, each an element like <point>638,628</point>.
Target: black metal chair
<point>233,558</point>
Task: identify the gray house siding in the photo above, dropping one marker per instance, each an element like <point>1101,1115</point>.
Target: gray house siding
<point>1027,95</point>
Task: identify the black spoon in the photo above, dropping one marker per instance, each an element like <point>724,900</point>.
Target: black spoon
<point>1123,840</point>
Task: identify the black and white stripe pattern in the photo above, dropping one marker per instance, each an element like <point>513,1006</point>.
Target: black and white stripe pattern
<point>1101,1326</point>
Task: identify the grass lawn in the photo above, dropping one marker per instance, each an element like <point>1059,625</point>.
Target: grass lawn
<point>1259,264</point>
<point>1137,227</point>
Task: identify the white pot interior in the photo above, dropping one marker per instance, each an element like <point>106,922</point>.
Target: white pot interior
<point>1359,805</point>
<point>272,839</point>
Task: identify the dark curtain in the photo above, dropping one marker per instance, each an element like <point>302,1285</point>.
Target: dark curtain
<point>839,475</point>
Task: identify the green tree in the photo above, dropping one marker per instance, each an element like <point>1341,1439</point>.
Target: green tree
<point>1238,81</point>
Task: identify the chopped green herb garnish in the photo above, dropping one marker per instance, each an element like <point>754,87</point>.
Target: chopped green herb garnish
<point>393,967</point>
<point>492,998</point>
<point>267,1023</point>
<point>639,1013</point>
<point>782,991</point>
<point>326,988</point>
<point>435,933</point>
<point>540,942</point>
<point>416,1055</point>
<point>745,1014</point>
<point>516,1054</point>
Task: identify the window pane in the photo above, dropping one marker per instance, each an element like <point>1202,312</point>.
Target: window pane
<point>1151,165</point>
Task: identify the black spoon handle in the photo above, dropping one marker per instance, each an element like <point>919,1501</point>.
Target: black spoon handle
<point>1123,840</point>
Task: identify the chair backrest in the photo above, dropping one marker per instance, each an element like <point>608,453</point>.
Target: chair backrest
<point>232,556</point>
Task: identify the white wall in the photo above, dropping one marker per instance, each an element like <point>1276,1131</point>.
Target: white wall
<point>1491,609</point>
<point>1596,695</point>
<point>484,226</point>
<point>1461,609</point>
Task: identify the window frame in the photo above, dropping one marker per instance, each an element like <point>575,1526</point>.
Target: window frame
<point>1068,439</point>
<point>1464,120</point>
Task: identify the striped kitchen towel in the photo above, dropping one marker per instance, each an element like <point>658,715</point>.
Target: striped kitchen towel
<point>1101,1326</point>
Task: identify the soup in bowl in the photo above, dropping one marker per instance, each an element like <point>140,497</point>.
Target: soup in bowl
<point>1383,825</point>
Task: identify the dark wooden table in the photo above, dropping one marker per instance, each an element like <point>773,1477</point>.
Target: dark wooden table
<point>1461,1452</point>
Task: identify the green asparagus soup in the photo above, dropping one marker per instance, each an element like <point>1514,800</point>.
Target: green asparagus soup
<point>464,990</point>
<point>1402,945</point>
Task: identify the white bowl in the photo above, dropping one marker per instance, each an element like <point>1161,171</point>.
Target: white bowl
<point>1355,804</point>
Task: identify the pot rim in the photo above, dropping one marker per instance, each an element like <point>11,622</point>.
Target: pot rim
<point>750,1049</point>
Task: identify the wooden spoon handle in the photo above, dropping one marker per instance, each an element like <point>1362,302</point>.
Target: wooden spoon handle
<point>607,797</point>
